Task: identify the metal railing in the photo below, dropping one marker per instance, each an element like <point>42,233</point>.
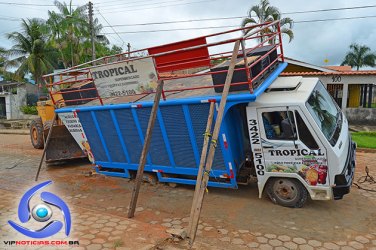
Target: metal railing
<point>179,60</point>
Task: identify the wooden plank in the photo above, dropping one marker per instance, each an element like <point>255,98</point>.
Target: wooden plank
<point>145,149</point>
<point>45,147</point>
<point>213,145</point>
<point>202,161</point>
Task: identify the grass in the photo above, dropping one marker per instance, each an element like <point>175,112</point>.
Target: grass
<point>118,243</point>
<point>365,139</point>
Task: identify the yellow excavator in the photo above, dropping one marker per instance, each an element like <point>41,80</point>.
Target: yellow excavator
<point>62,145</point>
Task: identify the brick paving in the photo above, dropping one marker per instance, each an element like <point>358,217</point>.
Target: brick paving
<point>93,229</point>
<point>230,220</point>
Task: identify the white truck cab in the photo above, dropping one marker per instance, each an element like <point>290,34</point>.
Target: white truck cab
<point>300,143</point>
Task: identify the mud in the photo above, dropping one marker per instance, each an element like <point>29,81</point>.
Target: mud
<point>223,208</point>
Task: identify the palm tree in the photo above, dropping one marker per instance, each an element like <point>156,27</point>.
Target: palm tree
<point>264,12</point>
<point>70,33</point>
<point>30,52</point>
<point>318,104</point>
<point>359,56</point>
<point>68,26</point>
<point>2,59</point>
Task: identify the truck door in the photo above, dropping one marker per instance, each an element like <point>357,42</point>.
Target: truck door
<point>290,147</point>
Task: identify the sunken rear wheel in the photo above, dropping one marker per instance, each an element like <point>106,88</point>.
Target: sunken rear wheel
<point>286,192</point>
<point>36,133</point>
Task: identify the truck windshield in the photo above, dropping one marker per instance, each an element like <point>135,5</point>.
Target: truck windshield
<point>325,113</point>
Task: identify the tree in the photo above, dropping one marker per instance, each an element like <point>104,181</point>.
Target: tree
<point>359,56</point>
<point>2,59</point>
<point>319,105</point>
<point>264,12</point>
<point>30,52</point>
<point>69,28</point>
<point>70,34</point>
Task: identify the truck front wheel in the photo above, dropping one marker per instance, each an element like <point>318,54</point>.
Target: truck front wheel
<point>36,133</point>
<point>286,192</point>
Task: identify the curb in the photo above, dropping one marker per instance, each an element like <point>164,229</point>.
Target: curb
<point>366,150</point>
<point>14,131</point>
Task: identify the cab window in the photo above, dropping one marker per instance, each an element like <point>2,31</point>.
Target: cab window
<point>279,125</point>
<point>304,133</point>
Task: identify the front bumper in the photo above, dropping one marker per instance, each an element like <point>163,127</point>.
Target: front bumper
<point>344,180</point>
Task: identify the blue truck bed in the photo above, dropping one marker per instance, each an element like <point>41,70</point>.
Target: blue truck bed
<point>116,135</point>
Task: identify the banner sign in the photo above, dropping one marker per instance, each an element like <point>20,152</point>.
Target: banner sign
<point>127,78</point>
<point>73,124</point>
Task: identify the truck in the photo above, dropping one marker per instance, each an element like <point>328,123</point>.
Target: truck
<point>285,133</point>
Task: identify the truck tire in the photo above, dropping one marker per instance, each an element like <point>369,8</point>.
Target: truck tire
<point>36,133</point>
<point>287,192</point>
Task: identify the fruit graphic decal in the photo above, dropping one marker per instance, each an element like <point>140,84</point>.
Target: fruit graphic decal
<point>314,171</point>
<point>312,176</point>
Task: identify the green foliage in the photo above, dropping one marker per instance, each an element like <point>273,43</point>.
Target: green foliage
<point>365,139</point>
<point>30,53</point>
<point>2,58</point>
<point>264,12</point>
<point>70,35</point>
<point>217,61</point>
<point>60,42</point>
<point>29,110</point>
<point>359,56</point>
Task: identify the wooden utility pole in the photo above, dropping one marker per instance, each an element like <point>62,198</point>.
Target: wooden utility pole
<point>209,162</point>
<point>145,150</point>
<point>91,24</point>
<point>204,152</point>
<point>129,50</point>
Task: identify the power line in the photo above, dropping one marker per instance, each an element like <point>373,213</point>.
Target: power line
<point>26,4</point>
<point>122,2</point>
<point>239,17</point>
<point>203,1</point>
<point>332,9</point>
<point>152,31</point>
<point>234,26</point>
<point>334,19</point>
<point>108,7</point>
<point>10,19</point>
<point>30,4</point>
<point>111,27</point>
<point>181,21</point>
<point>104,3</point>
<point>294,12</point>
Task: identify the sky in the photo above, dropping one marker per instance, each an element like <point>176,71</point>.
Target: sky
<point>313,43</point>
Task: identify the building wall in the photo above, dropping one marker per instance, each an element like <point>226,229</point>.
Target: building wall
<point>16,102</point>
<point>361,116</point>
<point>13,103</point>
<point>7,107</point>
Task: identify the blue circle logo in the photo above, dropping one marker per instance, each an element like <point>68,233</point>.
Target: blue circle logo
<point>42,213</point>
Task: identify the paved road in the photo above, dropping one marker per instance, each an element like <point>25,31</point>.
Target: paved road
<point>231,219</point>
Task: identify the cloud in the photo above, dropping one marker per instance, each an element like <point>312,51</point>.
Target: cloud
<point>313,42</point>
